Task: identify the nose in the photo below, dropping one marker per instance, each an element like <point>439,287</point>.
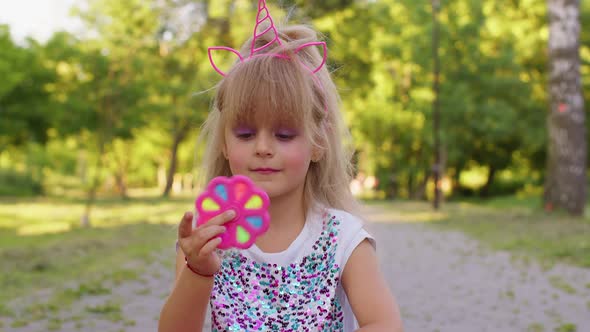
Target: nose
<point>264,145</point>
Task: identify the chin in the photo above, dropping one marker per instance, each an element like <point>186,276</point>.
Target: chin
<point>271,192</point>
<point>268,187</point>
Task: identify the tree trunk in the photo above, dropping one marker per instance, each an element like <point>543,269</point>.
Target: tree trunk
<point>410,184</point>
<point>172,167</point>
<point>177,139</point>
<point>485,190</point>
<point>121,183</point>
<point>437,167</point>
<point>91,195</point>
<point>565,185</point>
<point>420,192</point>
<point>121,168</point>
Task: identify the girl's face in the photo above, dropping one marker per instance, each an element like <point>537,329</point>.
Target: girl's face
<point>276,157</point>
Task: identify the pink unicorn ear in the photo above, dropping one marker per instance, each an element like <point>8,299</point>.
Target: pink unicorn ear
<point>221,49</point>
<point>312,44</point>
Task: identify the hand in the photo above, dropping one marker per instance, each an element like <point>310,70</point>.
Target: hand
<point>199,244</point>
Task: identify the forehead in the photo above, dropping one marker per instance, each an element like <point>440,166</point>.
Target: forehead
<point>264,118</point>
<point>266,90</point>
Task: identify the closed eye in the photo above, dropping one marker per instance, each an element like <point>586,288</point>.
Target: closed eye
<point>245,136</point>
<point>244,133</point>
<point>285,137</point>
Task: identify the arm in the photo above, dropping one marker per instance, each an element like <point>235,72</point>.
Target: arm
<point>370,298</point>
<point>186,307</point>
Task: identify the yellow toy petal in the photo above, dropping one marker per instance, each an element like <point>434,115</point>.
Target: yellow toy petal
<point>209,205</point>
<point>255,202</point>
<point>242,235</point>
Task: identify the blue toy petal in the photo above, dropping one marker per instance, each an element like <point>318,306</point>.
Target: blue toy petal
<point>221,191</point>
<point>256,222</point>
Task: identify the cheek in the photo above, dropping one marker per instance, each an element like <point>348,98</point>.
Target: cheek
<point>233,153</point>
<point>236,157</point>
<point>298,157</point>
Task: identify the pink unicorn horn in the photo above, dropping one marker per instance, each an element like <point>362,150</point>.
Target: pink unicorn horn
<point>263,17</point>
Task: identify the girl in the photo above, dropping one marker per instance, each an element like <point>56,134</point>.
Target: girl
<point>276,120</point>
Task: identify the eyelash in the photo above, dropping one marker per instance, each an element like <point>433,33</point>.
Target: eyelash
<point>284,137</point>
<point>279,136</point>
<point>244,136</point>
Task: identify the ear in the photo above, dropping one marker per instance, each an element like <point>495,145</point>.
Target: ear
<point>221,50</point>
<point>324,55</point>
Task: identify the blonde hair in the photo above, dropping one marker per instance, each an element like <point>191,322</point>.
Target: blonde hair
<point>289,93</point>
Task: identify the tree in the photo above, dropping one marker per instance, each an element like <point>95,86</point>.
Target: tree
<point>183,70</point>
<point>565,184</point>
<point>25,103</point>
<point>117,60</point>
<point>437,168</point>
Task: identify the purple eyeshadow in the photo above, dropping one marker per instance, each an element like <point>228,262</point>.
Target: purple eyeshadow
<point>243,130</point>
<point>287,132</point>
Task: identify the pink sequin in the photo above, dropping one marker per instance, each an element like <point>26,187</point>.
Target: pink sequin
<point>252,296</point>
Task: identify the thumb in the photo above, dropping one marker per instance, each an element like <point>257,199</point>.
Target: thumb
<point>186,225</point>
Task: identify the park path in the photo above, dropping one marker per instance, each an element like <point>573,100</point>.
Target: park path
<point>443,281</point>
<point>447,282</point>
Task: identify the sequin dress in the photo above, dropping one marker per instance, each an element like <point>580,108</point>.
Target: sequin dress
<point>298,289</point>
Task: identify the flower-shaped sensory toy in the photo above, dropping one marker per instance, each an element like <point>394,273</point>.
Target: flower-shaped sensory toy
<point>250,203</point>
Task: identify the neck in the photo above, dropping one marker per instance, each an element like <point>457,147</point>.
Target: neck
<point>287,218</point>
<point>287,211</point>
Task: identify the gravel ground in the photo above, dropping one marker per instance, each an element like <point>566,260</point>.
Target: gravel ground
<point>443,281</point>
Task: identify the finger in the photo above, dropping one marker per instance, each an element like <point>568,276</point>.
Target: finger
<point>209,247</point>
<point>185,227</point>
<point>205,234</point>
<point>222,218</point>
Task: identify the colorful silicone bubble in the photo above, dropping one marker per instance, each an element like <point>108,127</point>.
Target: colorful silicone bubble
<point>250,203</point>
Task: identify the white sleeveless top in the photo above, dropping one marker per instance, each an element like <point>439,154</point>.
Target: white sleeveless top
<point>298,289</point>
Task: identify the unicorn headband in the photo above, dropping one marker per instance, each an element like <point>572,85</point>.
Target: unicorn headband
<point>263,16</point>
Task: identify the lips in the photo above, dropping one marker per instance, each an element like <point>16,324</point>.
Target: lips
<point>264,170</point>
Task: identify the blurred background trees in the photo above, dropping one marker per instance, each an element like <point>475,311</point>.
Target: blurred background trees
<point>119,107</point>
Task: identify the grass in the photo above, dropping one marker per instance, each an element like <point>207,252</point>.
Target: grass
<point>110,309</point>
<point>43,247</point>
<point>559,283</point>
<point>518,225</point>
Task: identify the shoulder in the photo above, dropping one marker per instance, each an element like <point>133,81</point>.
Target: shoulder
<point>346,223</point>
<point>350,233</point>
<point>346,218</point>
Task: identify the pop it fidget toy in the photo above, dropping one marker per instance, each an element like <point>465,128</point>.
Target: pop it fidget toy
<point>250,203</point>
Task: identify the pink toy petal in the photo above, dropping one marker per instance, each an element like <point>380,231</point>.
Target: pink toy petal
<point>240,194</point>
<point>240,190</point>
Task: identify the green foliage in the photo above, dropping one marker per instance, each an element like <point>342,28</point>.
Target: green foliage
<point>500,187</point>
<point>13,183</point>
<point>114,106</point>
<point>25,107</point>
